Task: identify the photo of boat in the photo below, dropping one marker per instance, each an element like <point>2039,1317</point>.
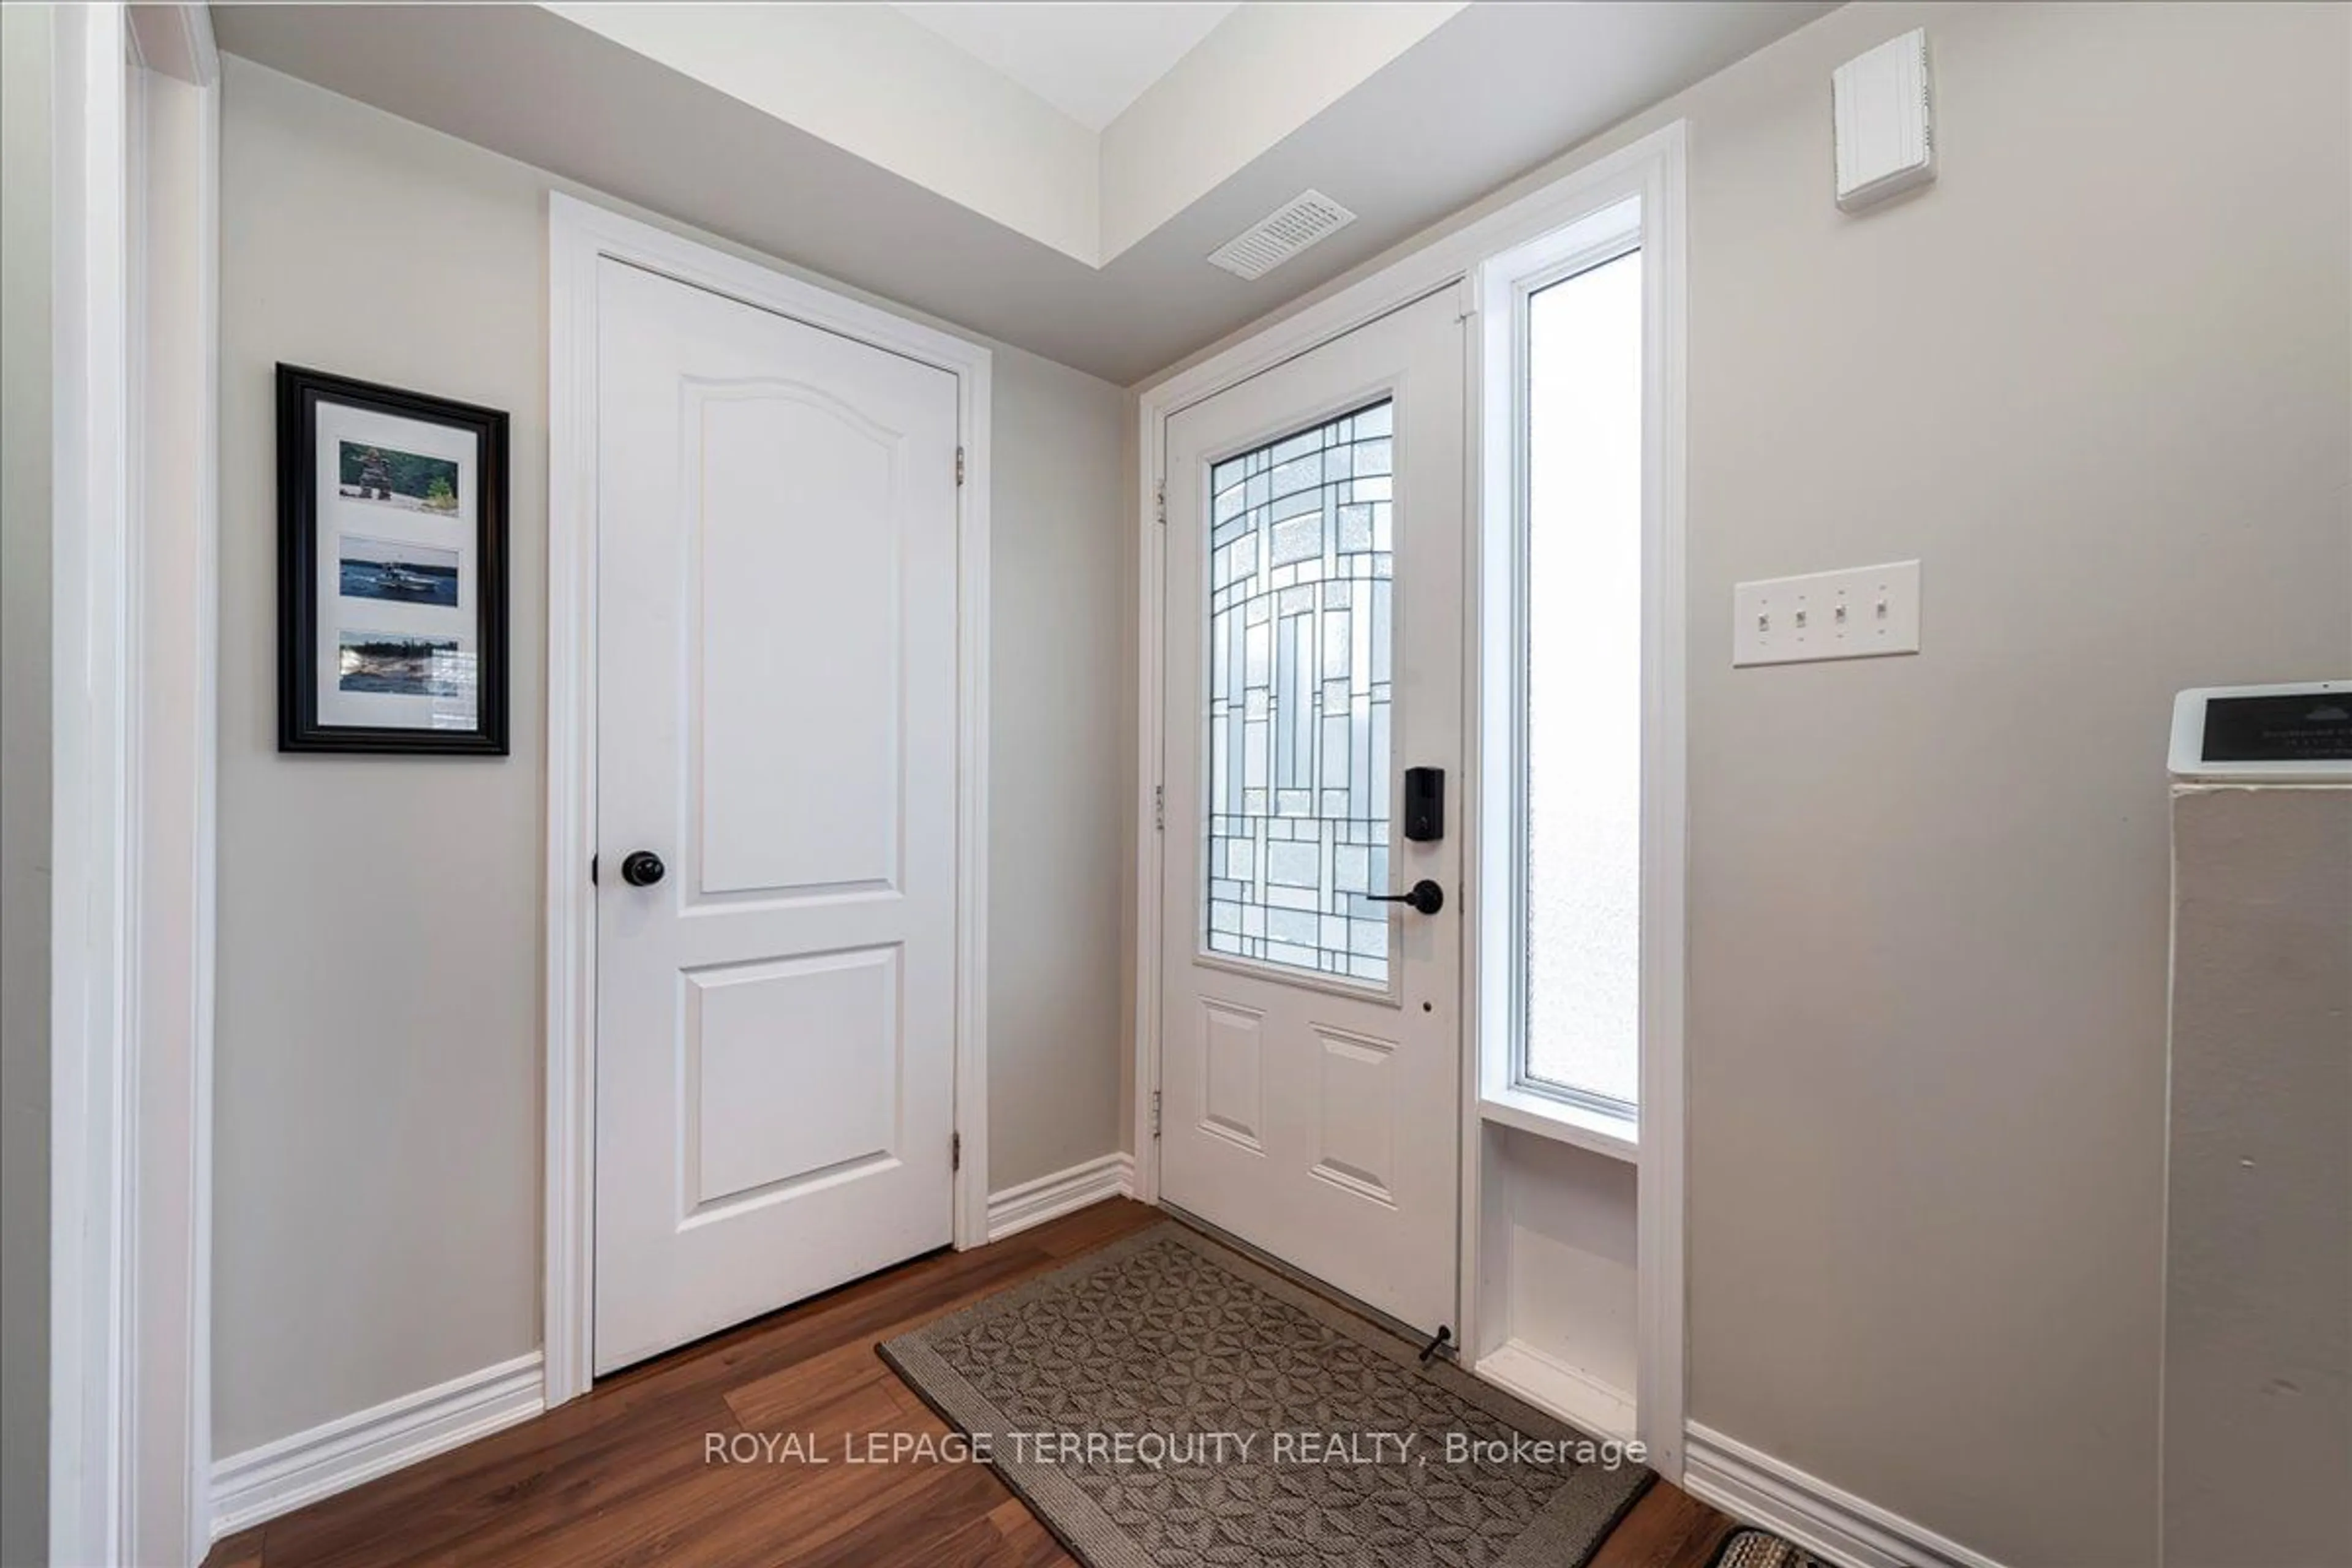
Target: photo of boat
<point>401,572</point>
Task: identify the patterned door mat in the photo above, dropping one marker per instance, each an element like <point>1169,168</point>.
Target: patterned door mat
<point>1746,1548</point>
<point>1166,1402</point>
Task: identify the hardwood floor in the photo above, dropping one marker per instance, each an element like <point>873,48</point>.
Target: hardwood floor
<point>620,1477</point>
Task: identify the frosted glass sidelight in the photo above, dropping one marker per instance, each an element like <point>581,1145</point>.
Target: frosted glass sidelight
<point>1583,841</point>
<point>1298,804</point>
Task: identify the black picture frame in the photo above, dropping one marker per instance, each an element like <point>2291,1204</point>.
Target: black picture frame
<point>430,667</point>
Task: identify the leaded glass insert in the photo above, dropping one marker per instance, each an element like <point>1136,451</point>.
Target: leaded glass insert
<point>1300,576</point>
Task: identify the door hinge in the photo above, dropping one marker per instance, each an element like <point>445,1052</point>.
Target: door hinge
<point>1160,503</point>
<point>1155,1113</point>
<point>1159,808</point>
<point>592,870</point>
<point>959,468</point>
<point>955,1151</point>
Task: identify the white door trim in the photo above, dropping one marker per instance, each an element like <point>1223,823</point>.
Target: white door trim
<point>579,234</point>
<point>91,1412</point>
<point>1654,161</point>
<point>135,113</point>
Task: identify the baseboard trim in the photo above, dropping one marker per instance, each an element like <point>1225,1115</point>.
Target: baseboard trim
<point>1016,1209</point>
<point>1753,1485</point>
<point>280,1477</point>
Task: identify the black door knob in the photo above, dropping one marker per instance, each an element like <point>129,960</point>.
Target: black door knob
<point>642,868</point>
<point>1424,896</point>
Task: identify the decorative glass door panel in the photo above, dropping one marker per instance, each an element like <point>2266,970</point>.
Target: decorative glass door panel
<point>1301,568</point>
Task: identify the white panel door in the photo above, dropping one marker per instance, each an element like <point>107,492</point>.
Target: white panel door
<point>1310,1062</point>
<point>776,723</point>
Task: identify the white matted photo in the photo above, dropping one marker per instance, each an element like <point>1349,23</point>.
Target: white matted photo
<point>393,569</point>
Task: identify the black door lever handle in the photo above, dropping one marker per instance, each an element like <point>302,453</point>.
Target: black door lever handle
<point>1424,896</point>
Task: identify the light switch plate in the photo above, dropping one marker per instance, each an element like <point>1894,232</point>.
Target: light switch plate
<point>1862,613</point>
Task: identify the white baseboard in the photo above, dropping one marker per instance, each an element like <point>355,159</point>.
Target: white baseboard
<point>1760,1489</point>
<point>277,1477</point>
<point>1548,1383</point>
<point>1016,1209</point>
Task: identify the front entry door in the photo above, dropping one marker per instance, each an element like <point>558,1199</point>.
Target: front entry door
<point>1310,1035</point>
<point>776,810</point>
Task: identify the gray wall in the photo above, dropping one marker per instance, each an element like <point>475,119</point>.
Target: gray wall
<point>376,1173</point>
<point>2098,378</point>
<point>25,34</point>
<point>376,1187</point>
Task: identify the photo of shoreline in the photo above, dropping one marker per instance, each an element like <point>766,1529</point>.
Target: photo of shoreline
<point>385,476</point>
<point>392,664</point>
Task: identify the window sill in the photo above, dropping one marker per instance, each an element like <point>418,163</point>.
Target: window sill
<point>1614,1137</point>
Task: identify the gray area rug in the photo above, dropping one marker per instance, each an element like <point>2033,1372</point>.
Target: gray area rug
<point>1746,1548</point>
<point>1166,1402</point>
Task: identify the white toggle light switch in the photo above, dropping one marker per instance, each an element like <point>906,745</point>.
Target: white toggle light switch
<point>1856,613</point>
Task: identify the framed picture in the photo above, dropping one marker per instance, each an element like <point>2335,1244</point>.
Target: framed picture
<point>392,570</point>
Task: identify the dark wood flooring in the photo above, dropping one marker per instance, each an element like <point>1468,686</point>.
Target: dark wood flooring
<point>619,1477</point>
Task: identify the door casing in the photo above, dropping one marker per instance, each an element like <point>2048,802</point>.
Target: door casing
<point>579,234</point>
<point>1652,166</point>
<point>132,520</point>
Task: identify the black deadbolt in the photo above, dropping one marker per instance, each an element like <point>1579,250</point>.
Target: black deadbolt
<point>1425,805</point>
<point>1424,896</point>
<point>642,868</point>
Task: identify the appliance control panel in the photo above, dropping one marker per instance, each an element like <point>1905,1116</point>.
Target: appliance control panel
<point>2296,734</point>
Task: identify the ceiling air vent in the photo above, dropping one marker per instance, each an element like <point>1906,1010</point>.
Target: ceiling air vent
<point>1282,234</point>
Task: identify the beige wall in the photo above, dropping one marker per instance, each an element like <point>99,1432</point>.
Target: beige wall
<point>1060,723</point>
<point>377,1175</point>
<point>2098,378</point>
<point>25,58</point>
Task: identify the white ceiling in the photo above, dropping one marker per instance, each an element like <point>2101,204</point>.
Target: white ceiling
<point>1090,61</point>
<point>891,89</point>
<point>1490,93</point>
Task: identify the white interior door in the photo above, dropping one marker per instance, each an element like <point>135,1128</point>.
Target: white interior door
<point>776,722</point>
<point>1310,1063</point>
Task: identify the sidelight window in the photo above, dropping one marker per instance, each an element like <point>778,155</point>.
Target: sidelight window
<point>1582,829</point>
